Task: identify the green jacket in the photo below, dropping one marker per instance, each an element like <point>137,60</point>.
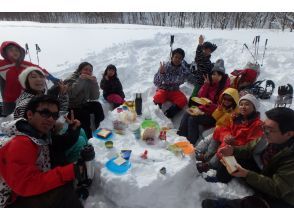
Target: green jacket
<point>277,178</point>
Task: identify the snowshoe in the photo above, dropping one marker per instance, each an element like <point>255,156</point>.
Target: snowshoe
<point>285,96</point>
<point>262,92</point>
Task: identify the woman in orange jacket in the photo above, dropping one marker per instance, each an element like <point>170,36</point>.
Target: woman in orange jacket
<point>245,131</point>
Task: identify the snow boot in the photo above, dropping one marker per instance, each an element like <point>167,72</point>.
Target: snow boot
<point>285,96</point>
<point>172,111</point>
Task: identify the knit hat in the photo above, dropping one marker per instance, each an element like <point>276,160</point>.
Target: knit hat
<point>208,45</point>
<point>24,75</point>
<point>251,98</point>
<point>219,66</point>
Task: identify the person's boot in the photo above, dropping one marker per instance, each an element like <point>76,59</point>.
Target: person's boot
<point>172,111</point>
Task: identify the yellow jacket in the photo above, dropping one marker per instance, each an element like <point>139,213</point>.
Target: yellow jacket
<point>223,116</point>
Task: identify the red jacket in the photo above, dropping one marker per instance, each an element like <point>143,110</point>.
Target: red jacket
<point>10,71</point>
<point>209,91</point>
<point>245,134</point>
<point>20,167</point>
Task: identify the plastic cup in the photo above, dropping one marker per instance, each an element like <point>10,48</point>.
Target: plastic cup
<point>109,144</point>
<point>135,128</point>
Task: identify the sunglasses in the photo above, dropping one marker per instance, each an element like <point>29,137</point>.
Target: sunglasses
<point>45,113</point>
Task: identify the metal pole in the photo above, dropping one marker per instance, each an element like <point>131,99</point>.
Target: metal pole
<point>264,51</point>
<point>37,51</point>
<point>258,39</point>
<point>28,51</point>
<point>172,40</point>
<point>249,51</point>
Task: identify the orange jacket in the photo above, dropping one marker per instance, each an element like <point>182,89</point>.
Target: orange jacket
<point>246,133</point>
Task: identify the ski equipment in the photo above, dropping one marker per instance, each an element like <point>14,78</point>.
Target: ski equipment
<point>38,50</point>
<point>28,51</point>
<point>172,40</point>
<point>264,51</point>
<point>285,96</point>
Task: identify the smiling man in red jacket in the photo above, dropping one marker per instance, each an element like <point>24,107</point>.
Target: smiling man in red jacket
<point>26,177</point>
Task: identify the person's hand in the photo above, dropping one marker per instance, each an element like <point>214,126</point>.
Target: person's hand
<point>229,139</point>
<point>240,172</point>
<point>201,39</point>
<point>194,111</point>
<point>62,87</point>
<point>226,151</point>
<point>84,76</point>
<point>162,68</point>
<point>75,123</point>
<point>93,78</point>
<point>206,79</point>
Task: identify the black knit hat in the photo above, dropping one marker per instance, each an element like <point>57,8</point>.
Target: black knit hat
<point>208,45</point>
<point>179,51</point>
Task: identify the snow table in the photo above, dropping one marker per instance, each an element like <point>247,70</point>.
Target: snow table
<point>143,185</point>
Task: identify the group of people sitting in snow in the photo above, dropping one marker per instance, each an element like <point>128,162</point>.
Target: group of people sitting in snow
<point>40,161</point>
<point>263,149</point>
<point>42,158</point>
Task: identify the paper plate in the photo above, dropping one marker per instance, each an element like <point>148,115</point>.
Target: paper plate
<point>122,169</point>
<point>186,147</point>
<point>201,101</point>
<point>94,133</point>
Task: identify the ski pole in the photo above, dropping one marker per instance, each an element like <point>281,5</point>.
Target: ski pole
<point>249,51</point>
<point>38,50</point>
<point>28,51</point>
<point>258,39</point>
<point>254,43</point>
<point>264,51</point>
<point>242,49</point>
<point>172,40</point>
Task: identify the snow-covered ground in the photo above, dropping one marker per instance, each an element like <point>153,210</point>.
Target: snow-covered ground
<point>136,51</point>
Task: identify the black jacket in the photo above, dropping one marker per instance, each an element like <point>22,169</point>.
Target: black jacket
<point>111,86</point>
<point>204,65</point>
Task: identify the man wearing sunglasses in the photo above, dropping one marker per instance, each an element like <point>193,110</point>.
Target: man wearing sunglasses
<point>273,177</point>
<point>26,176</point>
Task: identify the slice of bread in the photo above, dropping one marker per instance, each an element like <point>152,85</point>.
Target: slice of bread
<point>103,133</point>
<point>230,163</point>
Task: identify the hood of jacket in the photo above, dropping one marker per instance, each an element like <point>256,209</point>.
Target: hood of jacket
<point>5,44</point>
